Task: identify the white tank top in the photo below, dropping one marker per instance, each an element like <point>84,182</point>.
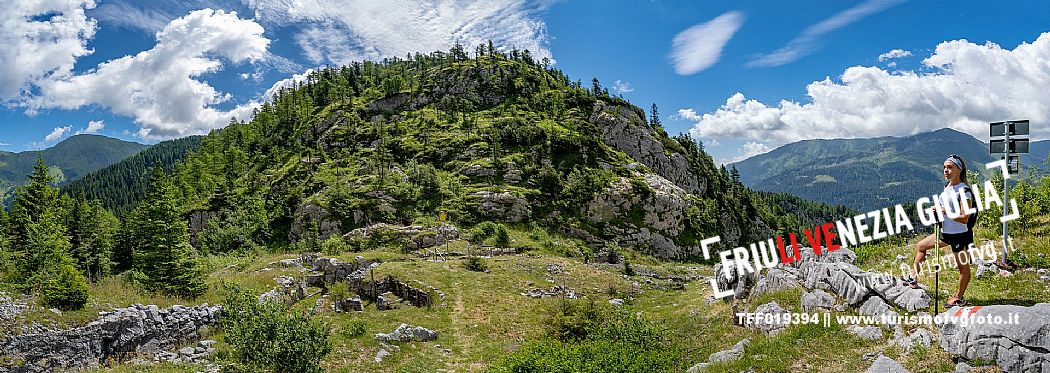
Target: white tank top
<point>956,192</point>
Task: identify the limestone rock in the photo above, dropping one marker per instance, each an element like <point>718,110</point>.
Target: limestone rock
<point>775,324</point>
<point>817,300</point>
<point>117,335</point>
<point>866,332</point>
<point>503,205</point>
<point>730,355</point>
<point>306,215</point>
<point>886,365</point>
<point>1020,347</point>
<point>778,278</point>
<point>407,333</point>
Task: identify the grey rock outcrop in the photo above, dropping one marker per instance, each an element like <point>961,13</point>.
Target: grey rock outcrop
<point>624,130</point>
<point>886,365</point>
<point>408,333</point>
<point>817,300</point>
<point>659,205</point>
<point>288,291</point>
<point>1020,347</point>
<point>308,214</point>
<point>778,278</point>
<point>732,354</point>
<point>502,205</point>
<point>835,272</point>
<point>11,307</point>
<point>866,332</point>
<point>728,277</point>
<point>415,236</point>
<point>136,330</point>
<point>772,325</point>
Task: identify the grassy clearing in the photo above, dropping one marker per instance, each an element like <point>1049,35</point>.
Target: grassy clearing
<point>484,317</point>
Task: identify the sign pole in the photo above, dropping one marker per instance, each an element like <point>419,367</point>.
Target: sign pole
<point>1006,183</point>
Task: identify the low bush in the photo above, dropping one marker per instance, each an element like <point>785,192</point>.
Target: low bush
<point>266,336</point>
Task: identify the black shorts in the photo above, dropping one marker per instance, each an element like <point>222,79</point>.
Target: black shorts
<point>958,241</point>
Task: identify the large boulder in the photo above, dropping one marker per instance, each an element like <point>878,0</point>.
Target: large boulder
<point>1019,342</point>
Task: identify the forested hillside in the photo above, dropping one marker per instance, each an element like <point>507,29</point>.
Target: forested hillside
<point>118,187</point>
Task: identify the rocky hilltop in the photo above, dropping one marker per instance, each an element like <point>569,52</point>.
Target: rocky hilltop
<point>492,139</point>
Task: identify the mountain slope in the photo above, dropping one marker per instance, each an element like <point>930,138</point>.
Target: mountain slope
<point>121,185</point>
<point>70,159</point>
<point>867,174</point>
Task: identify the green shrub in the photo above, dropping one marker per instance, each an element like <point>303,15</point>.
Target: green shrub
<point>334,245</point>
<point>475,264</point>
<point>355,329</point>
<point>67,290</point>
<point>587,338</point>
<point>627,269</point>
<point>481,232</point>
<point>502,237</point>
<point>266,336</point>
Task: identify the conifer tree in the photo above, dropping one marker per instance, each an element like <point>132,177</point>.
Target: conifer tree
<point>159,240</point>
<point>41,247</point>
<point>93,231</point>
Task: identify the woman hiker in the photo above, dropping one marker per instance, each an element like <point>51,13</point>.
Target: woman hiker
<point>956,233</point>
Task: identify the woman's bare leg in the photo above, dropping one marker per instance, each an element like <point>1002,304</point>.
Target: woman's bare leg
<point>964,273</point>
<point>920,254</point>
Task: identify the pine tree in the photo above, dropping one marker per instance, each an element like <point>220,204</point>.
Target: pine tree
<point>41,247</point>
<point>654,118</point>
<point>93,231</point>
<point>163,259</point>
<point>30,205</point>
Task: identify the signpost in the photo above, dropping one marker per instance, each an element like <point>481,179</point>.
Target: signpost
<point>1013,140</point>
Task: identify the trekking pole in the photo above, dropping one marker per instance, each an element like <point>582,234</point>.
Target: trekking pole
<point>937,269</point>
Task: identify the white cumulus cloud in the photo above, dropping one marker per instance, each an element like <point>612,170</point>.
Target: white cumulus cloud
<point>700,46</point>
<point>57,133</point>
<point>963,86</point>
<point>896,53</point>
<point>345,31</point>
<point>160,87</point>
<point>93,127</point>
<point>751,149</point>
<point>41,39</point>
<point>808,41</point>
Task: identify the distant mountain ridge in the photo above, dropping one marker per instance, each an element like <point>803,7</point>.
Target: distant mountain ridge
<point>868,174</point>
<point>70,159</point>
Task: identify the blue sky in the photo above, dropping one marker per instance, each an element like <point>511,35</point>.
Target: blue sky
<point>742,76</point>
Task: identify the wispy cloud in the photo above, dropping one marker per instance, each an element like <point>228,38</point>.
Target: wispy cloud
<point>622,86</point>
<point>808,41</point>
<point>356,30</point>
<point>153,15</point>
<point>699,47</point>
